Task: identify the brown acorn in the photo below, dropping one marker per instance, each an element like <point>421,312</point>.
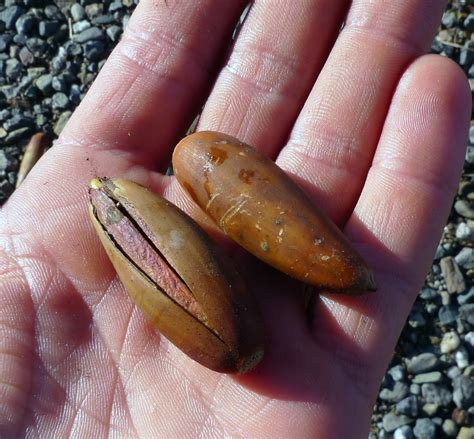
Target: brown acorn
<point>260,207</point>
<point>184,286</point>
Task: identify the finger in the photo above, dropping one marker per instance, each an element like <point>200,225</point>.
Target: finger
<point>272,67</point>
<point>332,143</point>
<point>400,215</point>
<point>153,82</point>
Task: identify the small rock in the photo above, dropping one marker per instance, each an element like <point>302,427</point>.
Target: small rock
<point>94,10</point>
<point>10,15</point>
<point>408,406</point>
<point>459,416</point>
<point>103,19</point>
<point>415,389</point>
<point>450,429</point>
<point>93,50</point>
<point>394,394</point>
<point>18,121</point>
<point>452,275</point>
<point>26,57</point>
<point>59,101</point>
<point>36,46</point>
<point>58,84</point>
<point>48,28</point>
<point>392,421</point>
<point>471,134</point>
<point>16,135</point>
<point>80,26</point>
<point>448,314</point>
<point>77,12</point>
<point>61,122</point>
<point>44,84</point>
<point>6,189</point>
<point>469,338</point>
<point>449,19</point>
<point>463,232</point>
<point>114,32</point>
<point>463,394</point>
<point>13,69</point>
<point>469,22</point>
<point>425,429</point>
<point>466,312</point>
<point>466,298</point>
<point>464,208</point>
<point>430,409</point>
<point>53,13</point>
<point>466,55</point>
<point>4,161</point>
<point>445,298</point>
<point>429,377</point>
<point>428,293</point>
<point>403,432</point>
<point>90,34</point>
<point>450,342</point>
<point>462,358</point>
<point>397,372</point>
<point>115,6</point>
<point>25,24</point>
<point>436,394</point>
<point>466,433</point>
<point>425,362</point>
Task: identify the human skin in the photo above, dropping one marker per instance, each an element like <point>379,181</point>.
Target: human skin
<point>374,132</point>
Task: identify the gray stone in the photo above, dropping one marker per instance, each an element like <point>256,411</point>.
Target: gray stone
<point>77,12</point>
<point>416,319</point>
<point>415,389</point>
<point>448,314</point>
<point>58,84</point>
<point>450,429</point>
<point>80,26</point>
<point>94,10</point>
<point>425,428</point>
<point>430,409</point>
<point>114,32</point>
<point>397,372</point>
<point>469,22</point>
<point>44,83</point>
<point>464,208</point>
<point>115,6</point>
<point>18,121</point>
<point>73,48</point>
<point>429,377</point>
<point>13,69</point>
<point>464,232</point>
<point>59,101</point>
<point>4,161</point>
<point>469,338</point>
<point>26,57</point>
<point>10,15</point>
<point>425,362</point>
<point>428,293</point>
<point>469,155</point>
<point>465,258</point>
<point>449,19</point>
<point>461,357</point>
<point>466,433</point>
<point>403,432</point>
<point>37,46</point>
<point>466,313</point>
<point>53,13</point>
<point>25,23</point>
<point>471,131</point>
<point>61,122</point>
<point>450,342</point>
<point>395,393</point>
<point>90,34</point>
<point>93,50</point>
<point>463,394</point>
<point>5,40</point>
<point>436,394</point>
<point>48,28</point>
<point>125,20</point>
<point>466,55</point>
<point>103,19</point>
<point>408,406</point>
<point>6,189</point>
<point>391,421</point>
<point>16,135</point>
<point>452,275</point>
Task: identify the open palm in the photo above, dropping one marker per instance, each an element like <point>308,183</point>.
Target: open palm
<point>373,132</point>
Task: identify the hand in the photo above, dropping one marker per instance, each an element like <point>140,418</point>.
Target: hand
<point>375,135</point>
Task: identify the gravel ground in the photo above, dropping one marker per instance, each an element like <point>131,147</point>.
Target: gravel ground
<point>49,55</point>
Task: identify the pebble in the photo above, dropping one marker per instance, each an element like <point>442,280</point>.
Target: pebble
<point>466,433</point>
<point>464,208</point>
<point>453,372</point>
<point>452,274</point>
<point>59,101</point>
<point>16,135</point>
<point>425,428</point>
<point>114,33</point>
<point>466,313</point>
<point>9,16</point>
<point>408,406</point>
<point>25,23</point>
<point>6,189</point>
<point>469,338</point>
<point>425,362</point>
<point>450,342</point>
<point>77,12</point>
<point>462,358</point>
<point>93,50</point>
<point>463,391</point>
<point>397,372</point>
<point>429,377</point>
<point>403,432</point>
<point>13,69</point>
<point>450,429</point>
<point>436,394</point>
<point>396,393</point>
<point>391,421</point>
<point>44,84</point>
<point>61,122</point>
<point>90,34</point>
<point>466,298</point>
<point>26,57</point>
<point>48,28</point>
<point>448,314</point>
<point>469,22</point>
<point>80,26</point>
<point>94,10</point>
<point>430,409</point>
<point>18,121</point>
<point>415,389</point>
<point>463,231</point>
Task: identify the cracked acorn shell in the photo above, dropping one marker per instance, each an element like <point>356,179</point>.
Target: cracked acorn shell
<point>185,287</point>
<point>260,207</point>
